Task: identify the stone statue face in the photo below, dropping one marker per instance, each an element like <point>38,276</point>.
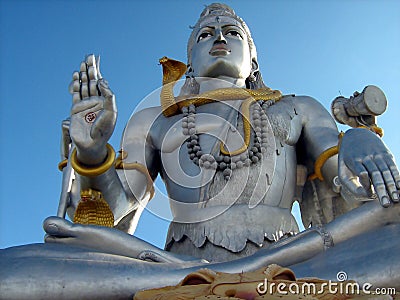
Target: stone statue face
<point>221,49</point>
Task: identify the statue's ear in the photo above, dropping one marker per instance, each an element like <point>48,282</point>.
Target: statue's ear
<point>189,71</point>
<point>254,66</point>
<point>191,86</point>
<point>254,70</point>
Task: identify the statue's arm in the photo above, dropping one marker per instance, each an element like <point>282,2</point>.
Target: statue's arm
<point>128,186</point>
<point>319,133</point>
<point>92,121</point>
<point>363,162</point>
<point>131,185</point>
<point>140,161</point>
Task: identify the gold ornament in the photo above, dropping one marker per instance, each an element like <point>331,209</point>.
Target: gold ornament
<point>93,210</point>
<point>119,164</point>
<point>173,70</point>
<point>93,171</point>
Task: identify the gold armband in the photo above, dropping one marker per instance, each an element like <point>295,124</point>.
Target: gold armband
<point>93,171</point>
<point>62,164</point>
<point>322,158</point>
<point>119,164</point>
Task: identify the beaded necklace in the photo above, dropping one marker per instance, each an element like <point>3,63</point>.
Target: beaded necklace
<point>227,163</point>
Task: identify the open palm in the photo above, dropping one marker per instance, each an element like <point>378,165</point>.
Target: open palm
<point>93,113</point>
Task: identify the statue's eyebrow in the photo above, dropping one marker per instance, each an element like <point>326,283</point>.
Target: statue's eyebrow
<point>224,26</point>
<point>232,25</point>
<point>207,27</point>
<point>229,25</point>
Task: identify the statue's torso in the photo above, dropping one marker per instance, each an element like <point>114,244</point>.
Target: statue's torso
<point>255,203</point>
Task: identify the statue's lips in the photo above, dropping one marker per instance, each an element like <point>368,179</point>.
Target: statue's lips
<point>219,50</point>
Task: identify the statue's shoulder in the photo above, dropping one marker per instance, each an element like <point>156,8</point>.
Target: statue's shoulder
<point>296,105</point>
<point>146,113</point>
<point>141,121</point>
<point>304,105</point>
<point>299,99</point>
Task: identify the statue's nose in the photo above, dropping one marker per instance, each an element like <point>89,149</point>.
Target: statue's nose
<point>219,37</point>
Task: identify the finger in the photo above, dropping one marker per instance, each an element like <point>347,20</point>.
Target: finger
<point>76,97</point>
<point>93,90</point>
<point>92,84</point>
<point>74,87</point>
<point>82,70</point>
<point>71,87</point>
<point>84,88</point>
<point>363,177</point>
<point>90,60</point>
<point>92,75</point>
<point>390,185</point>
<point>75,76</point>
<point>392,166</point>
<point>349,181</point>
<point>388,178</point>
<point>92,67</point>
<point>377,182</point>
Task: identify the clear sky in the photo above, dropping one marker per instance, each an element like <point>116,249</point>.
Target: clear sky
<point>316,48</point>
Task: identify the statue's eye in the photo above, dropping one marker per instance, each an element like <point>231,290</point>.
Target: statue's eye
<point>234,33</point>
<point>204,35</point>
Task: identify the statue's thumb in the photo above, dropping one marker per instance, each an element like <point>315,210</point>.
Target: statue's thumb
<point>109,103</point>
<point>104,88</point>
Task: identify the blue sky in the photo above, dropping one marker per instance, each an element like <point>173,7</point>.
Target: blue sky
<point>317,48</point>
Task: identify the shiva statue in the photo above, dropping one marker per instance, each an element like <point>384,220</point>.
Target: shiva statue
<point>234,156</point>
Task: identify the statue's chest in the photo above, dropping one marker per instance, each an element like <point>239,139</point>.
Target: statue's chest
<point>218,149</point>
<point>211,123</point>
<point>230,124</point>
<point>285,121</point>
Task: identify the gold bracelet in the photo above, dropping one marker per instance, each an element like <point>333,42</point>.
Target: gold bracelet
<point>93,171</point>
<point>322,158</point>
<point>62,164</point>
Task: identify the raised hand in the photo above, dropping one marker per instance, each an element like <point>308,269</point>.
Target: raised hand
<point>364,156</point>
<point>93,113</point>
